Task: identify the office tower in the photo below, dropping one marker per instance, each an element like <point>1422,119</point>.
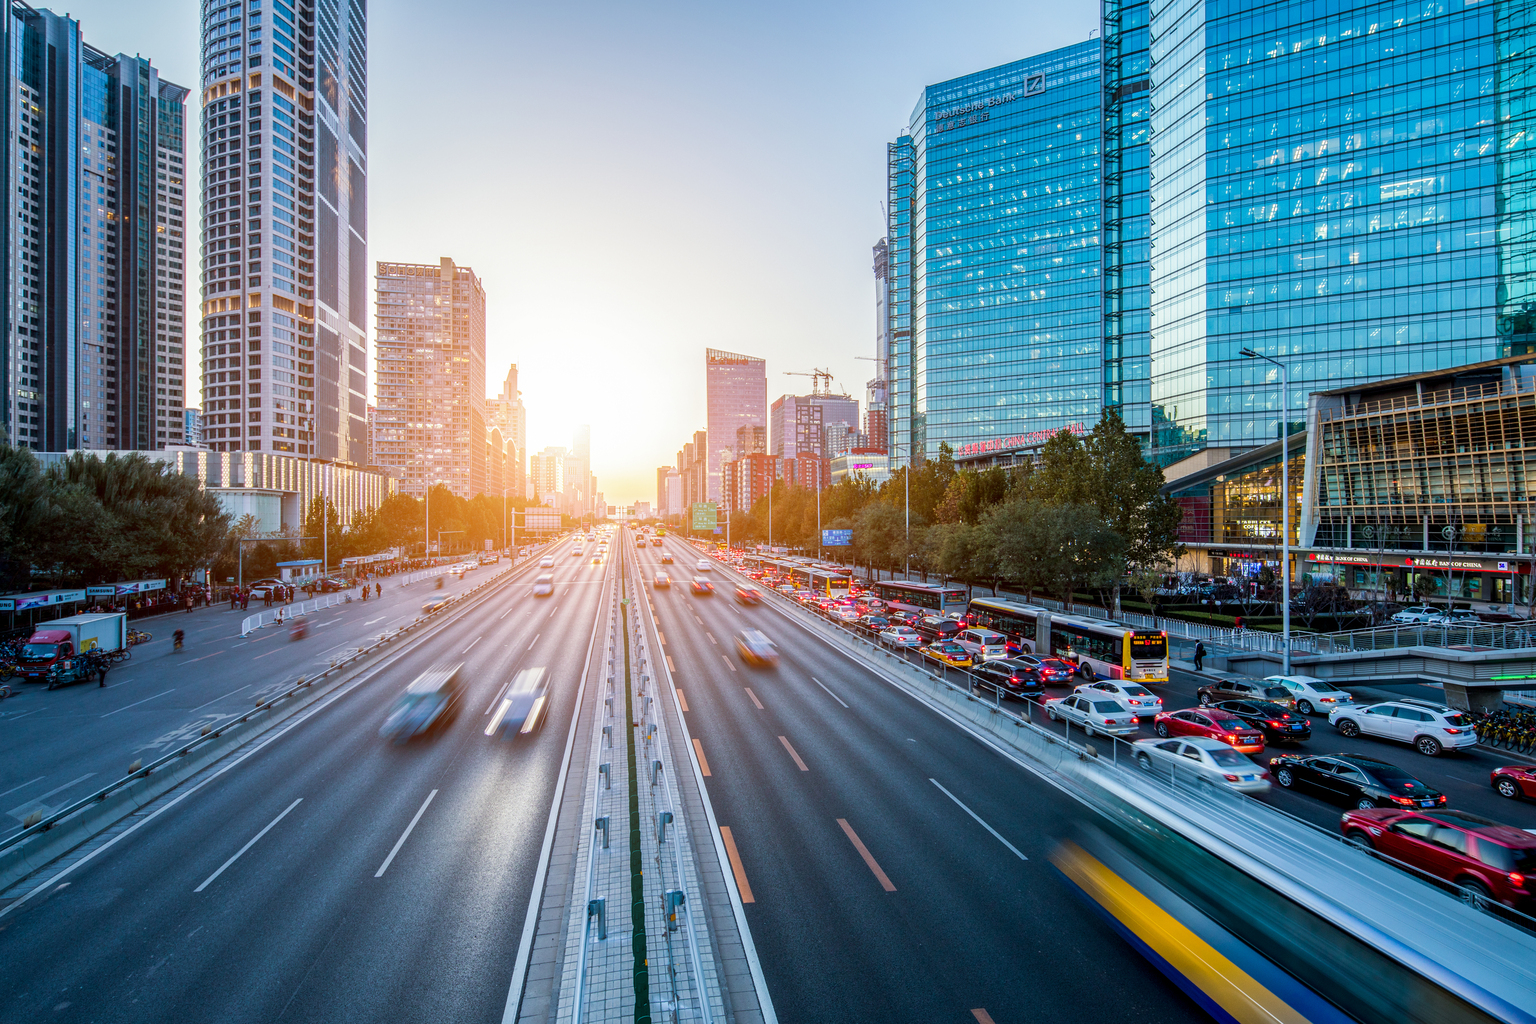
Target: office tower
<point>581,471</point>
<point>285,227</point>
<point>996,178</point>
<point>751,441</point>
<point>736,392</point>
<point>546,474</point>
<point>430,332</point>
<point>93,325</point>
<point>1127,90</point>
<point>662,508</point>
<point>1328,187</point>
<point>876,418</point>
<point>800,423</point>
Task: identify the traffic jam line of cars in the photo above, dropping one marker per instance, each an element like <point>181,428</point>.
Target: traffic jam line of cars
<point>1218,742</point>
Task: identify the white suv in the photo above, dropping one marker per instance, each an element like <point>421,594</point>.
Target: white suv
<point>1428,727</point>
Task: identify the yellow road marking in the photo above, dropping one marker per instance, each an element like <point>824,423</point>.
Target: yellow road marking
<point>681,699</point>
<point>736,868</point>
<point>698,748</point>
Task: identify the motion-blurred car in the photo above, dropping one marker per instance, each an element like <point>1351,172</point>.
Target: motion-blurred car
<point>1135,697</point>
<point>1234,732</point>
<point>544,585</point>
<point>547,562</point>
<point>662,581</point>
<point>597,559</point>
<point>1278,724</point>
<point>748,595</point>
<point>700,585</point>
<point>900,636</point>
<point>1243,689</point>
<point>1514,781</point>
<point>666,559</point>
<point>703,566</point>
<point>1010,677</point>
<point>429,703</point>
<point>1359,782</point>
<point>1209,760</point>
<point>1312,695</point>
<point>1491,862</point>
<point>1101,716</point>
<point>756,649</point>
<point>1427,727</point>
<point>523,706</point>
<point>947,652</point>
<point>433,603</point>
<point>577,551</point>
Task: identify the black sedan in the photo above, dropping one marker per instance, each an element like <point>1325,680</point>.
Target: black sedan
<point>874,625</point>
<point>1014,678</point>
<point>1279,724</point>
<point>1360,782</point>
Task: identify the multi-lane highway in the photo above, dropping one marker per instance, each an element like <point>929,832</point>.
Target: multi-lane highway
<point>63,744</point>
<point>896,867</point>
<point>327,874</point>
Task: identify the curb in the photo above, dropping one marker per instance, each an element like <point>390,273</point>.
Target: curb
<point>30,854</point>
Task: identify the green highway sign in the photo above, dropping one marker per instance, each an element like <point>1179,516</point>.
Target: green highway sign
<point>703,516</point>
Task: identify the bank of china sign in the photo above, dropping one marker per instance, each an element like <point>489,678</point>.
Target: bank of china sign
<point>977,111</point>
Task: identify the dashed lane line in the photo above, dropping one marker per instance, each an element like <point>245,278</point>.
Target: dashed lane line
<point>754,697</point>
<point>784,740</point>
<point>869,860</point>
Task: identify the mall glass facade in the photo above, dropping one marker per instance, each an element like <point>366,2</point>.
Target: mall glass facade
<point>1324,186</point>
<point>995,257</point>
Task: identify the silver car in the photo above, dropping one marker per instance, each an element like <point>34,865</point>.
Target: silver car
<point>1095,715</point>
<point>1206,759</point>
<point>1313,695</point>
<point>429,703</point>
<point>1132,696</point>
<point>522,707</point>
<point>901,636</point>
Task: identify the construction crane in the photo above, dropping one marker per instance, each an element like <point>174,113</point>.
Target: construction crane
<point>818,377</point>
<point>879,364</point>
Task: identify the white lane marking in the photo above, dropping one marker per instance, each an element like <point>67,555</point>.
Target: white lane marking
<point>24,714</point>
<point>24,785</point>
<point>405,835</point>
<point>712,638</point>
<point>471,644</point>
<point>828,692</point>
<point>37,800</point>
<point>698,620</point>
<point>534,640</point>
<point>215,700</point>
<point>499,692</point>
<point>248,845</point>
<point>381,618</point>
<point>504,614</point>
<point>136,703</point>
<point>995,834</point>
<point>728,663</point>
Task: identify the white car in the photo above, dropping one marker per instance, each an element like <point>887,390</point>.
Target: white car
<point>703,565</point>
<point>845,614</point>
<point>547,562</point>
<point>544,585</point>
<point>1427,727</point>
<point>1313,695</point>
<point>1418,614</point>
<point>901,636</point>
<point>576,551</point>
<point>1094,715</point>
<point>1132,696</point>
<point>1459,617</point>
<point>1208,759</point>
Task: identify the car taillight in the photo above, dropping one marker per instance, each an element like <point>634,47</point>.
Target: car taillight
<point>1230,738</point>
<point>1326,700</point>
<point>1274,725</point>
<point>1406,801</point>
<point>1516,878</point>
<point>1135,720</point>
<point>1442,798</point>
<point>1230,778</point>
<point>1453,732</point>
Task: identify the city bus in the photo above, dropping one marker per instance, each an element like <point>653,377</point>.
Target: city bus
<point>1114,651</point>
<point>826,584</point>
<point>921,598</point>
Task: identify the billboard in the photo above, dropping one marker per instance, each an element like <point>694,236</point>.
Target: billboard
<point>539,522</point>
<point>836,538</point>
<point>702,517</point>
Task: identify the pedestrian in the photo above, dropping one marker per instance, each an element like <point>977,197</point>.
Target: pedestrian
<point>245,599</point>
<point>234,598</point>
<point>1199,655</point>
<point>378,590</point>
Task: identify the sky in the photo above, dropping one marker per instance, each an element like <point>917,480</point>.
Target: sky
<point>635,183</point>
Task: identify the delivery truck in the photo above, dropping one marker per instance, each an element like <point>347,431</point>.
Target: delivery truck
<point>53,643</point>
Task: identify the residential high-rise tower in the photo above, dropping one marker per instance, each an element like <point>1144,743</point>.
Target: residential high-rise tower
<point>285,227</point>
<point>430,427</point>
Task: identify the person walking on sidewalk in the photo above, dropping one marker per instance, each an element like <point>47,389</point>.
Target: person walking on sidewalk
<point>1199,655</point>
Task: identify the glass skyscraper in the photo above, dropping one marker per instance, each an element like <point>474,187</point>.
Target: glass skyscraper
<point>993,235</point>
<point>736,396</point>
<point>1324,190</point>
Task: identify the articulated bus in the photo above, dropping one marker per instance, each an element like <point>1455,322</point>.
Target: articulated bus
<point>1114,651</point>
<point>922,598</point>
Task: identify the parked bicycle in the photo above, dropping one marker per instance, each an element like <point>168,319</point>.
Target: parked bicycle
<point>138,636</point>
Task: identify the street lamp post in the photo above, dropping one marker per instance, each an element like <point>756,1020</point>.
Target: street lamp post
<point>1285,505</point>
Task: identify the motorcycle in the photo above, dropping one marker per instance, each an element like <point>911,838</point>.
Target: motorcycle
<point>299,629</point>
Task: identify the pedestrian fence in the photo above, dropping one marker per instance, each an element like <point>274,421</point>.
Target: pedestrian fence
<point>278,616</point>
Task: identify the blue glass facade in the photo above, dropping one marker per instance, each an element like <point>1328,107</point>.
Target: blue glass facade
<point>1324,186</point>
<point>1127,227</point>
<point>995,255</point>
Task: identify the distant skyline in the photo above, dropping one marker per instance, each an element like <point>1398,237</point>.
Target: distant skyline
<point>635,185</point>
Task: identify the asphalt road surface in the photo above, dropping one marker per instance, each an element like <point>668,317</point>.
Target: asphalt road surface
<point>897,867</point>
<point>329,875</point>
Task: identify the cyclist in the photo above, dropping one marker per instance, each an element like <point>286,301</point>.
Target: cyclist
<point>177,638</point>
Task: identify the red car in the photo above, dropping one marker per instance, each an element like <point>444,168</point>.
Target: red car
<point>1213,723</point>
<point>1491,862</point>
<point>748,595</point>
<point>1515,781</point>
